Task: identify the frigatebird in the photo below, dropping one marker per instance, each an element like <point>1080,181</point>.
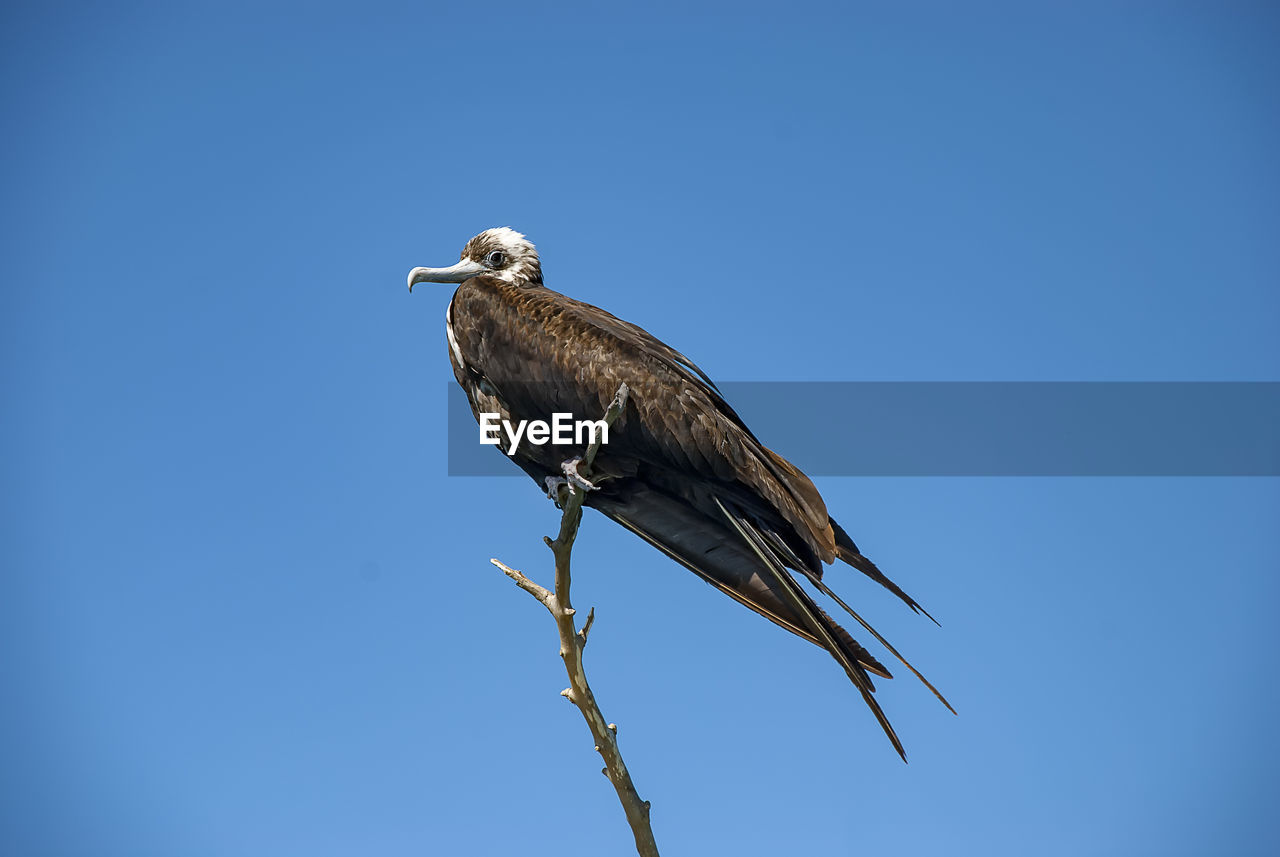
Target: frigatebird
<point>681,469</point>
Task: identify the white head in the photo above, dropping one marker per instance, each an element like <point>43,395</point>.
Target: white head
<point>501,253</point>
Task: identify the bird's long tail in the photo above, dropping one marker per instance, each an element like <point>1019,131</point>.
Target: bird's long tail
<point>836,640</point>
<point>847,551</point>
<point>743,559</point>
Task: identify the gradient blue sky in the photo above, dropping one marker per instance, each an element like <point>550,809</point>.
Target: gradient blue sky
<point>246,613</point>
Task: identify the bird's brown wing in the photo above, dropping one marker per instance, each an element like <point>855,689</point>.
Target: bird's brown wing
<point>687,418</point>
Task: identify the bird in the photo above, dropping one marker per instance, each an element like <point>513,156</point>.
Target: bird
<point>680,470</point>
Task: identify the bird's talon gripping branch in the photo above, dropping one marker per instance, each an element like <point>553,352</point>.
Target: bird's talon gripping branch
<point>571,473</point>
<point>554,486</point>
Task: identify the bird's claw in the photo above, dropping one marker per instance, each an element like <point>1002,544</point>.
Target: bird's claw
<point>554,484</point>
<point>571,479</point>
<point>570,469</point>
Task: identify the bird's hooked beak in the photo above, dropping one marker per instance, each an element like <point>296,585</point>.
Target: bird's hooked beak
<point>464,270</point>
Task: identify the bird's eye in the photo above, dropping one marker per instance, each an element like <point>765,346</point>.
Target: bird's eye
<point>495,259</point>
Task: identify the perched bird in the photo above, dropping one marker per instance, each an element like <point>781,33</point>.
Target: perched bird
<point>680,470</point>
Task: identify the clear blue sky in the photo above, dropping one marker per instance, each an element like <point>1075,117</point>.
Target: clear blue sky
<point>244,610</point>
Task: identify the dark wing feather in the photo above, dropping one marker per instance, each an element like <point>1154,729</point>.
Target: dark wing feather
<point>705,546</point>
<point>701,394</point>
<point>843,647</point>
<point>848,552</point>
<point>625,330</point>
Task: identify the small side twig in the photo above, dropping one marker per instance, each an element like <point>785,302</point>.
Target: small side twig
<point>574,641</point>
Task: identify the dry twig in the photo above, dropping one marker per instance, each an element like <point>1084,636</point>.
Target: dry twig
<point>573,641</point>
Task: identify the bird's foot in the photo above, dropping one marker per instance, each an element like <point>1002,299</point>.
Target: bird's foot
<point>556,484</point>
<point>570,469</point>
<point>571,479</point>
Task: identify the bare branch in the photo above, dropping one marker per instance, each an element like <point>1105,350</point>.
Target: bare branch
<point>573,641</point>
<point>539,592</point>
<point>611,414</point>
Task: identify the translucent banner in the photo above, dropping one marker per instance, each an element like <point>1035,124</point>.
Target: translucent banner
<point>983,428</point>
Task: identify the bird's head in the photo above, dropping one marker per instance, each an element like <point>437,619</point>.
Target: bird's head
<point>502,253</point>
